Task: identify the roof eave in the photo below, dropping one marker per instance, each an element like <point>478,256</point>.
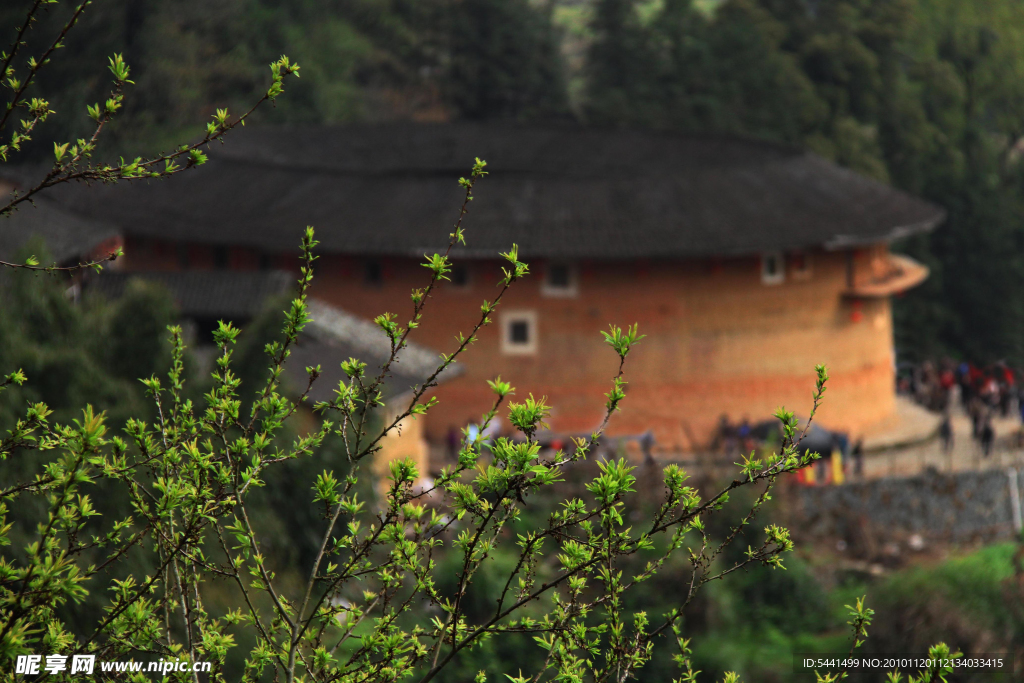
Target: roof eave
<point>840,242</point>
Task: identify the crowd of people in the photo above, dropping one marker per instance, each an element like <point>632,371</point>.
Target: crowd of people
<point>982,392</point>
<point>840,458</point>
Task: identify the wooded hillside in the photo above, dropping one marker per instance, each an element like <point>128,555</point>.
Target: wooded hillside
<point>926,94</point>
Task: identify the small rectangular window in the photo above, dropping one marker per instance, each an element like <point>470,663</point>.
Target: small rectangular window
<point>560,280</point>
<point>800,265</point>
<point>772,269</point>
<point>558,276</point>
<point>220,257</point>
<point>184,262</point>
<point>519,332</point>
<point>374,274</point>
<point>459,276</point>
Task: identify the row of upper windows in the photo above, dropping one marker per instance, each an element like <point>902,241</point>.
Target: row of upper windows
<point>560,279</point>
<point>219,256</point>
<point>519,328</point>
<point>774,266</point>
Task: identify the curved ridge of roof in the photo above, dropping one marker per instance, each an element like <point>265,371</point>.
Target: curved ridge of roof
<point>559,192</point>
<point>408,148</point>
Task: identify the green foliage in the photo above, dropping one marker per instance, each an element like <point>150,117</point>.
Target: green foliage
<point>20,78</point>
<point>90,353</point>
<point>971,601</point>
<point>476,59</point>
<point>197,477</point>
<point>505,61</point>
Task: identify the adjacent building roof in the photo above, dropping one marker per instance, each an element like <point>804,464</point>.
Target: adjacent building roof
<point>338,335</point>
<point>68,235</point>
<point>560,192</point>
<point>233,295</point>
<point>331,337</point>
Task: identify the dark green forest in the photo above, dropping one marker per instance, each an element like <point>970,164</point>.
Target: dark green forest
<point>925,94</point>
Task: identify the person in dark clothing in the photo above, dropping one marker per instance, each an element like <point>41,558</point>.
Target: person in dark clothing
<point>725,439</point>
<point>452,441</point>
<point>647,446</point>
<point>976,410</point>
<point>743,434</point>
<point>858,458</point>
<point>988,435</point>
<point>963,377</point>
<point>946,433</point>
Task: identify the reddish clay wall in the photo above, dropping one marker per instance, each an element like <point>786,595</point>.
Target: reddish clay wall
<point>719,340</point>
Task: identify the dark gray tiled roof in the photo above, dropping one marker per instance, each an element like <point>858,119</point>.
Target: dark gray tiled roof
<point>205,293</point>
<point>365,340</point>
<point>557,191</point>
<point>69,236</point>
<point>332,336</point>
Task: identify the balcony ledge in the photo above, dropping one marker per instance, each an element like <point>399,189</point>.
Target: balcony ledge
<point>902,274</point>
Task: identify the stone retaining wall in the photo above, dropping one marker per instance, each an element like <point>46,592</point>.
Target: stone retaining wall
<point>958,507</point>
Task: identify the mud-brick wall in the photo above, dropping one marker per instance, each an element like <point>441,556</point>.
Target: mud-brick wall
<point>719,340</point>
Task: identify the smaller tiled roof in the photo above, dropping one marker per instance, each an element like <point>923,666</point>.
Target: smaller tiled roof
<point>331,337</point>
<point>334,335</point>
<point>205,293</point>
<point>330,324</point>
<point>69,236</point>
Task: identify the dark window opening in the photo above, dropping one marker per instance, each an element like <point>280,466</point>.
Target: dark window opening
<point>519,332</point>
<point>374,273</point>
<point>799,261</point>
<point>183,259</point>
<point>220,257</point>
<point>266,262</point>
<point>460,275</point>
<point>772,268</point>
<point>559,276</point>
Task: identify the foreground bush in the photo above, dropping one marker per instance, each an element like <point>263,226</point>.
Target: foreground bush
<point>401,589</point>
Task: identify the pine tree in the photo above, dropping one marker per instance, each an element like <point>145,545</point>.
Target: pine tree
<point>504,61</point>
<point>621,66</point>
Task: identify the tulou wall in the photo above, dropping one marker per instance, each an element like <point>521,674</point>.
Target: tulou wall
<point>721,340</point>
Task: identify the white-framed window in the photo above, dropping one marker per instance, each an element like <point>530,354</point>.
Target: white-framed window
<point>773,268</point>
<point>519,333</point>
<point>561,279</point>
<point>800,264</point>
